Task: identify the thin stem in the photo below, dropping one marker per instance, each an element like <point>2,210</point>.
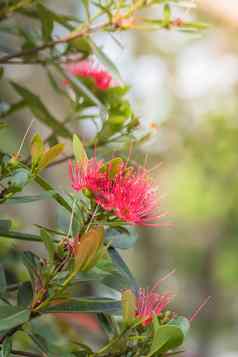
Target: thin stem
<point>83,31</point>
<point>27,354</point>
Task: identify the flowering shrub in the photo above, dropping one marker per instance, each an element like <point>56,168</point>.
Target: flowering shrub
<point>107,197</point>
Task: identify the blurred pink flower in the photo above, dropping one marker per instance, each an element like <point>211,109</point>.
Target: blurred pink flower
<point>88,69</point>
<point>150,303</point>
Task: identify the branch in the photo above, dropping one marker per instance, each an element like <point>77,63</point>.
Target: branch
<point>84,31</point>
<point>27,354</point>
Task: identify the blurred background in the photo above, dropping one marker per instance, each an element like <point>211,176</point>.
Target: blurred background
<point>184,87</point>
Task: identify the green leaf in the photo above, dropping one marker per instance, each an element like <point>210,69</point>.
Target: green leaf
<point>1,72</point>
<point>33,264</point>
<point>167,14</point>
<point>39,110</point>
<point>37,148</point>
<point>25,294</point>
<point>28,199</point>
<point>6,347</point>
<point>91,304</point>
<point>3,281</point>
<point>50,155</point>
<point>49,244</point>
<point>103,58</point>
<point>20,236</point>
<point>79,151</point>
<point>47,22</point>
<point>57,197</point>
<point>12,316</point>
<point>165,338</point>
<point>123,268</point>
<point>182,322</point>
<point>5,225</point>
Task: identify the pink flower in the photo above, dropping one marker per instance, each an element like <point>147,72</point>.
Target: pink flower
<point>135,198</point>
<point>88,69</point>
<point>129,194</point>
<point>150,303</point>
<point>85,176</point>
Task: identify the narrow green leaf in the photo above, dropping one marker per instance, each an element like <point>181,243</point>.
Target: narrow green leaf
<point>167,14</point>
<point>28,199</point>
<point>1,72</point>
<point>57,197</point>
<point>105,305</point>
<point>6,347</point>
<point>50,155</point>
<point>37,148</point>
<point>12,316</point>
<point>49,244</point>
<point>39,110</point>
<point>47,22</point>
<point>33,264</point>
<point>123,268</point>
<point>79,151</point>
<point>25,294</point>
<point>20,236</point>
<point>3,281</point>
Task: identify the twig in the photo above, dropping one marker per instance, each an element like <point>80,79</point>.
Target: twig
<point>84,31</point>
<point>27,354</point>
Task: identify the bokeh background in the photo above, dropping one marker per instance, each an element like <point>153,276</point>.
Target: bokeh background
<point>184,87</point>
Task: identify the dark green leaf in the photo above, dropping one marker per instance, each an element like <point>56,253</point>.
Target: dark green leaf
<point>49,244</point>
<point>21,236</point>
<point>3,281</point>
<point>105,305</point>
<point>5,225</point>
<point>123,268</point>
<point>28,199</point>
<point>47,22</point>
<point>32,263</point>
<point>48,188</point>
<point>39,110</point>
<point>6,347</point>
<point>25,294</point>
<point>12,316</point>
<point>1,72</point>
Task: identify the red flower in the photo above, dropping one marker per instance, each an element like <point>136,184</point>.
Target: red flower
<point>85,176</point>
<point>135,197</point>
<point>150,303</point>
<point>88,69</point>
<point>129,193</point>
